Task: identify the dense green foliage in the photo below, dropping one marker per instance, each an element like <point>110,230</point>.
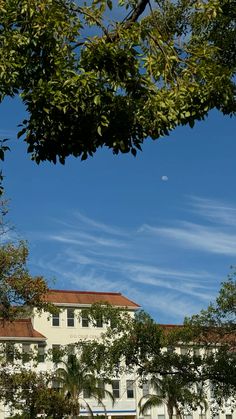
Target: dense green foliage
<point>18,289</point>
<point>175,393</point>
<point>189,359</point>
<point>101,74</point>
<point>182,364</point>
<point>78,382</point>
<point>220,320</point>
<point>30,393</point>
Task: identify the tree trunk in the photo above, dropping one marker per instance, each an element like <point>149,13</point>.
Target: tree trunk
<point>178,413</point>
<point>170,410</point>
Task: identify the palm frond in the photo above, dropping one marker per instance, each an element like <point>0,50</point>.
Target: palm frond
<point>148,401</point>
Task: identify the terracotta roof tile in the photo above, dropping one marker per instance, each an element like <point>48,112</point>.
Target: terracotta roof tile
<point>22,328</point>
<point>88,297</point>
<point>211,335</point>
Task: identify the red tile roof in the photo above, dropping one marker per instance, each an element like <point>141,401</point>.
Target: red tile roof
<point>88,298</point>
<point>211,335</point>
<point>22,328</point>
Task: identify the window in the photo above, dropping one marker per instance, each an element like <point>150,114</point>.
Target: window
<point>146,388</point>
<point>56,319</point>
<point>70,317</point>
<point>130,389</point>
<point>113,322</point>
<point>212,390</point>
<point>116,388</point>
<point>41,352</point>
<point>160,416</point>
<point>101,386</point>
<point>228,416</point>
<point>99,321</point>
<point>86,393</point>
<point>10,352</point>
<point>56,384</point>
<point>196,351</point>
<point>85,319</point>
<point>56,354</point>
<point>184,350</point>
<point>25,352</point>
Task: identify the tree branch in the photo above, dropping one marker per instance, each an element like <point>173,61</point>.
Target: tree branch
<point>137,11</point>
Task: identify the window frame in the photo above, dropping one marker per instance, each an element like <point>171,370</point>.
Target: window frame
<point>10,352</point>
<point>146,388</point>
<point>99,321</point>
<point>26,349</point>
<point>84,319</point>
<point>115,389</point>
<point>56,353</point>
<point>69,318</point>
<point>130,389</point>
<point>56,317</point>
<point>41,352</point>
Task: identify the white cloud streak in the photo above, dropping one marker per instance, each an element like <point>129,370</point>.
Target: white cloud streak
<point>204,239</point>
<point>215,211</point>
<point>94,256</point>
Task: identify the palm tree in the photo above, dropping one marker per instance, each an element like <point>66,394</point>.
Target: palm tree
<point>170,391</point>
<point>76,380</point>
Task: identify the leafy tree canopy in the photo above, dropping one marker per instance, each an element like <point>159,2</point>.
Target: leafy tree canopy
<point>78,381</point>
<point>195,355</point>
<point>105,74</point>
<point>217,328</point>
<point>221,314</point>
<point>31,394</point>
<point>18,289</point>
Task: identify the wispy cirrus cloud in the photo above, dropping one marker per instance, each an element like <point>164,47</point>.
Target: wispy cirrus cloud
<point>215,211</point>
<point>79,238</point>
<point>95,256</point>
<point>218,236</point>
<point>166,305</point>
<point>199,237</point>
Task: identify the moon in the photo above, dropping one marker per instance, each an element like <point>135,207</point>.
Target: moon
<point>164,178</point>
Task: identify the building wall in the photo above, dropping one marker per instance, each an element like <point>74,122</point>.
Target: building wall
<point>65,335</point>
<point>124,407</point>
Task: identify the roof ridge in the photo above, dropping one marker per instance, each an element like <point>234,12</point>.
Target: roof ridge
<point>25,320</point>
<point>85,292</point>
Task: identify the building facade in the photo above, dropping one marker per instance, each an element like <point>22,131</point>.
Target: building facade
<point>44,332</point>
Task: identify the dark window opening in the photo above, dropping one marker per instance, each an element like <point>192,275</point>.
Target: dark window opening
<point>70,317</point>
<point>130,389</point>
<point>85,320</point>
<point>56,319</point>
<point>116,389</point>
<point>25,352</point>
<point>41,352</point>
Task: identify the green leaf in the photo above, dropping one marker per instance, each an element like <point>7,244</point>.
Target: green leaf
<point>97,100</point>
<point>109,4</point>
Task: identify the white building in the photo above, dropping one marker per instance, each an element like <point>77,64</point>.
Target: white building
<point>44,332</point>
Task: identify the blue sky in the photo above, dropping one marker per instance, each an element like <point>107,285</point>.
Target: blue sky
<point>113,223</point>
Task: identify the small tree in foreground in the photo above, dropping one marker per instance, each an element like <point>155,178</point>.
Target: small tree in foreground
<point>30,394</point>
<point>175,394</point>
<point>79,382</point>
<point>18,289</point>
